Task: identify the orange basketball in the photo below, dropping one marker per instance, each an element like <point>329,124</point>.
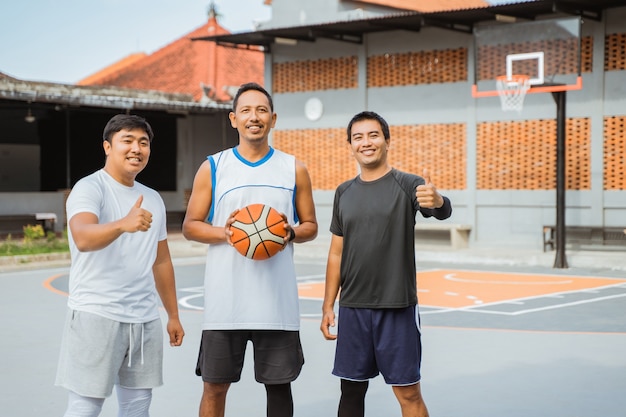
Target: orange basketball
<point>258,232</point>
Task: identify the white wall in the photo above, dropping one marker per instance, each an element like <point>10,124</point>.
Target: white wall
<point>289,13</point>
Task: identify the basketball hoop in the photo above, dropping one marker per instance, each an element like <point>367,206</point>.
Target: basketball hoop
<point>512,90</point>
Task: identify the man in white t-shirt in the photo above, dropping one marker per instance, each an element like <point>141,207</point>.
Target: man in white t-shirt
<point>121,264</point>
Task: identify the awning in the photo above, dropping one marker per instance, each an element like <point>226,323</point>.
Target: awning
<point>460,20</point>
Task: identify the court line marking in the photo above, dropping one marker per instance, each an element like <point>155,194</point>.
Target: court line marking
<point>196,292</point>
<point>47,284</point>
<point>518,301</point>
<point>520,273</point>
<point>503,330</point>
<point>573,303</point>
<point>312,278</point>
<point>454,278</point>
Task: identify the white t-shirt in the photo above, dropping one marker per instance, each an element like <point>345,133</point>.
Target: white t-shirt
<point>241,293</point>
<point>117,281</point>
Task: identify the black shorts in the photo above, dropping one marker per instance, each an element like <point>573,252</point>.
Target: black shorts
<point>278,356</point>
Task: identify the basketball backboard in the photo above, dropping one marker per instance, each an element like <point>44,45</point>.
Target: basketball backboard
<point>546,52</point>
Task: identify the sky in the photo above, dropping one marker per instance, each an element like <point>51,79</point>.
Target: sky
<point>64,41</point>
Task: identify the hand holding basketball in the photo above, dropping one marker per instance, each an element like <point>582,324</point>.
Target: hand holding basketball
<point>227,232</point>
<point>427,194</point>
<point>257,231</point>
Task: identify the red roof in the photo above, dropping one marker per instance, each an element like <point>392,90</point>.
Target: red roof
<point>185,66</point>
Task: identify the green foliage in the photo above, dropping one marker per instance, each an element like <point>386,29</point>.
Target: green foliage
<point>35,241</point>
<point>32,233</point>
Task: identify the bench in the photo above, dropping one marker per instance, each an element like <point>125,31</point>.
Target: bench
<point>456,234</point>
<point>13,224</point>
<point>577,236</point>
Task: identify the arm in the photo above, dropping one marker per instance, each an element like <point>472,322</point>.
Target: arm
<point>165,283</point>
<point>305,207</point>
<point>195,226</point>
<point>331,289</point>
<point>89,235</point>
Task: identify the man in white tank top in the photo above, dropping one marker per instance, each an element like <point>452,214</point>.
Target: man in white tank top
<point>250,300</point>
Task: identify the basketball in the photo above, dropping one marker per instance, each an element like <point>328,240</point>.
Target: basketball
<point>258,232</point>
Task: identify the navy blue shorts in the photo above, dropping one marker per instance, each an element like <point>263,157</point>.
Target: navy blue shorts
<point>373,341</point>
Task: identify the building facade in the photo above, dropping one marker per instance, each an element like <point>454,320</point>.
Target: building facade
<point>497,167</point>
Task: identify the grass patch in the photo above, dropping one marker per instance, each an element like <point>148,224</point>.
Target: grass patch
<point>35,241</point>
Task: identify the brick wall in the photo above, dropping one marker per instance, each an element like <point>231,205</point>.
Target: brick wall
<point>615,153</point>
<point>511,155</point>
<point>615,52</point>
<point>314,75</point>
<point>413,68</point>
<point>493,58</point>
<point>440,148</point>
<point>324,151</point>
<point>522,155</point>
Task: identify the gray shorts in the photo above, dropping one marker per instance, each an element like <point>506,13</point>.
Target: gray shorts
<point>97,353</point>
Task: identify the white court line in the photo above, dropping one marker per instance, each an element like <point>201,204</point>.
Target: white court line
<point>473,309</point>
<point>453,277</point>
<point>311,298</point>
<point>196,292</point>
<point>530,274</point>
<point>520,301</point>
<point>573,303</point>
<point>310,277</point>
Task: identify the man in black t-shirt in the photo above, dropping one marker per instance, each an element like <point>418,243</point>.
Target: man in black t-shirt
<point>372,260</point>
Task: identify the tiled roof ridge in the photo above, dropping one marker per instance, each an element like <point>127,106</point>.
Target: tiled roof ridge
<point>142,59</point>
<point>112,69</point>
<point>198,32</point>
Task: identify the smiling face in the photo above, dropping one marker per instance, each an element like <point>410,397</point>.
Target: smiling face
<point>368,145</point>
<point>253,118</point>
<point>127,154</point>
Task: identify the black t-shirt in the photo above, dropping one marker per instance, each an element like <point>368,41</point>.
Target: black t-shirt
<point>376,220</point>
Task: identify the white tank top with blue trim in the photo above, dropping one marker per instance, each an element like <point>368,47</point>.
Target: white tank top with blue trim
<point>240,293</point>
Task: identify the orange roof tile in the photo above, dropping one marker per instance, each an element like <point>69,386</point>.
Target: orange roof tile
<point>124,62</point>
<point>184,66</point>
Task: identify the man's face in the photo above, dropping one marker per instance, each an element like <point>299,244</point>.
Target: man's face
<point>253,118</point>
<point>127,153</point>
<point>368,144</point>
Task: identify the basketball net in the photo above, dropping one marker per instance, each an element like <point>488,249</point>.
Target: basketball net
<point>512,91</point>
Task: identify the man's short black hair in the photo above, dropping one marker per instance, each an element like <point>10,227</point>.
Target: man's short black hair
<point>369,115</point>
<point>128,122</point>
<point>255,87</point>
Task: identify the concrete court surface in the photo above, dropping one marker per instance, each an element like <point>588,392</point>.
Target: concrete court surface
<point>556,354</point>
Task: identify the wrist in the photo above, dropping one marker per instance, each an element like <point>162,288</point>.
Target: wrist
<point>292,234</point>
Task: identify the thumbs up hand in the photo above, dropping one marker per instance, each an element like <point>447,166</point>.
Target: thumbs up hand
<point>427,194</point>
<point>137,219</point>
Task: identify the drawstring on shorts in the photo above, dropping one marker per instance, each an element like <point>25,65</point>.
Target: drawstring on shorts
<point>130,343</point>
